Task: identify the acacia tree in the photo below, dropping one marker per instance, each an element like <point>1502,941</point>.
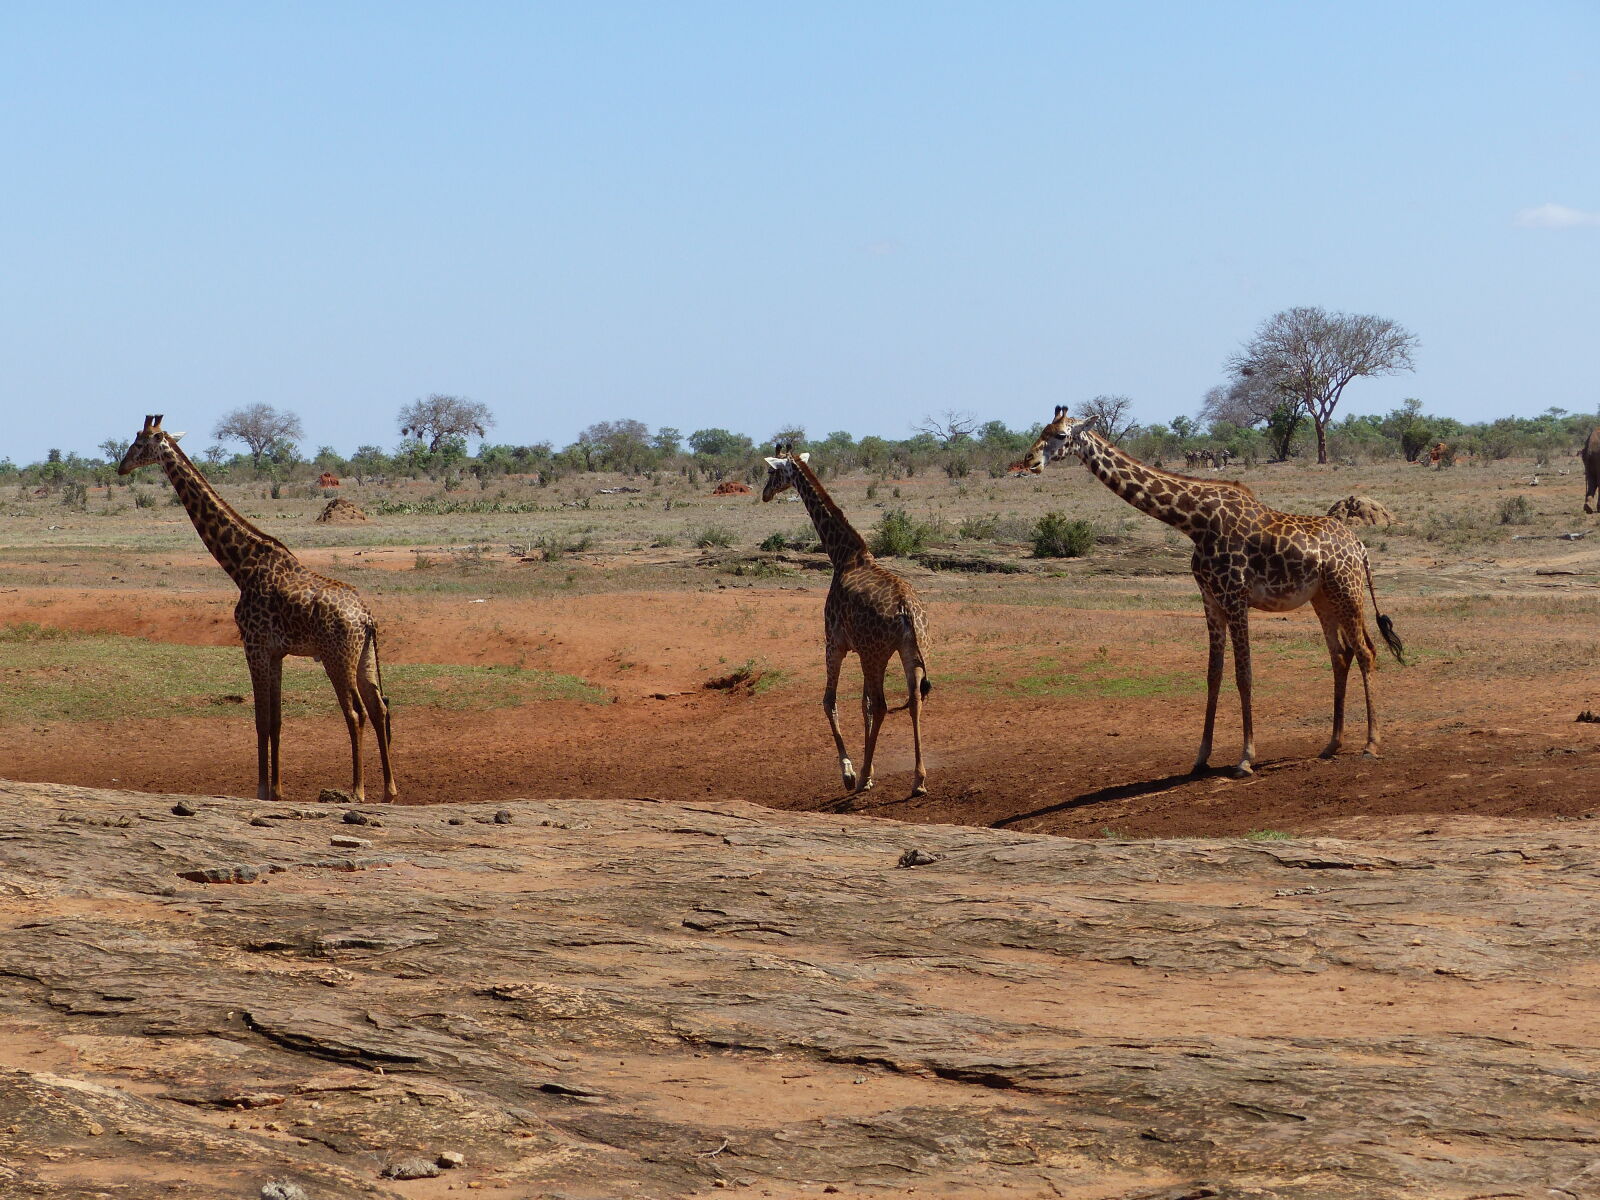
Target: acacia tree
<point>1252,398</point>
<point>438,417</point>
<point>260,427</point>
<point>1110,417</point>
<point>949,427</point>
<point>1308,356</point>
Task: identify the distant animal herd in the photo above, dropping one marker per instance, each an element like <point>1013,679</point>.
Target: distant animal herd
<point>1245,556</point>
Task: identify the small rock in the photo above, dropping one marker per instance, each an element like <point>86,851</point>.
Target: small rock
<point>334,796</point>
<point>232,873</point>
<point>352,817</point>
<point>456,821</point>
<point>180,809</point>
<point>450,1159</point>
<point>503,817</point>
<point>917,858</point>
<point>345,841</point>
<point>260,822</point>
<point>282,1190</point>
<point>411,1168</point>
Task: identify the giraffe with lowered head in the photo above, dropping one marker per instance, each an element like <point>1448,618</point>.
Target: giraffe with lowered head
<point>283,609</point>
<point>870,610</point>
<point>1246,556</point>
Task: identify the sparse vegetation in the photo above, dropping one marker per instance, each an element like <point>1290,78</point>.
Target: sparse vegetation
<point>714,537</point>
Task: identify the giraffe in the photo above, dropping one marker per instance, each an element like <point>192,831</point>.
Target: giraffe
<point>283,609</point>
<point>1246,556</point>
<point>870,610</point>
<point>1591,468</point>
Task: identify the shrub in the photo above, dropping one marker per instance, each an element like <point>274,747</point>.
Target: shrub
<point>1055,536</point>
<point>1516,510</point>
<point>774,541</point>
<point>977,529</point>
<point>713,536</point>
<point>897,535</point>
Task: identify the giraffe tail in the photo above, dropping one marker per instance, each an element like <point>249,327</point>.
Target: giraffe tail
<point>377,666</point>
<point>1385,625</point>
<point>911,651</point>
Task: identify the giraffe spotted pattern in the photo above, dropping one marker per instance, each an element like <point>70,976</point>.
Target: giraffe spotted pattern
<point>284,608</point>
<point>869,610</point>
<point>1246,556</point>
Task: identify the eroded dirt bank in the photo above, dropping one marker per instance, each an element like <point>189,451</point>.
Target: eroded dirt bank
<point>612,998</point>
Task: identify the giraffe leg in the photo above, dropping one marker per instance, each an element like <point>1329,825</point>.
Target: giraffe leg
<point>830,705</point>
<point>919,786</point>
<point>1239,632</point>
<point>266,681</point>
<point>873,708</point>
<point>376,705</point>
<point>342,675</point>
<point>1216,635</point>
<point>1339,655</point>
<point>1366,656</point>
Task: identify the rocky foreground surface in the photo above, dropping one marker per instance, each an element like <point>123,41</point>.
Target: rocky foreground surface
<point>585,999</point>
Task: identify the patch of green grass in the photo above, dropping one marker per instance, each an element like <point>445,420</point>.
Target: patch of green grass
<point>56,675</point>
<point>1268,835</point>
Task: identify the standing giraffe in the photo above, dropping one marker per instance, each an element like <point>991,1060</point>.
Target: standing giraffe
<point>1246,556</point>
<point>283,609</point>
<point>869,609</point>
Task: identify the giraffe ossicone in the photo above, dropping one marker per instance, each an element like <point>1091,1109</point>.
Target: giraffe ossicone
<point>1246,556</point>
<point>284,608</point>
<point>869,610</point>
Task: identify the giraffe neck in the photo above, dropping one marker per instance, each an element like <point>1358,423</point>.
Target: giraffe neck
<point>1150,490</point>
<point>839,538</point>
<point>241,549</point>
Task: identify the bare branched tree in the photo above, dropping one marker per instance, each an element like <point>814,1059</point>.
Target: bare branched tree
<point>437,417</point>
<point>949,427</point>
<point>1309,356</point>
<point>258,426</point>
<point>1109,416</point>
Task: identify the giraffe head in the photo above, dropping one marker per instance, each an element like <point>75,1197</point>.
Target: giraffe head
<point>146,448</point>
<point>1060,436</point>
<point>780,470</point>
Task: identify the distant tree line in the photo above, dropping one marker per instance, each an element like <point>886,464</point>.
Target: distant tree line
<point>1278,401</point>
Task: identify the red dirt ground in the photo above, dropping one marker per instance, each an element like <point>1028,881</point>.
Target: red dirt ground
<point>1084,766</point>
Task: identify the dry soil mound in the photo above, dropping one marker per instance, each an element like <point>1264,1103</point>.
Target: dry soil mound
<point>730,487</point>
<point>1361,510</point>
<point>607,998</point>
<point>341,511</point>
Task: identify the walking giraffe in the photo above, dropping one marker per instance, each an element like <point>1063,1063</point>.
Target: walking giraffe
<point>283,609</point>
<point>870,610</point>
<point>1246,556</point>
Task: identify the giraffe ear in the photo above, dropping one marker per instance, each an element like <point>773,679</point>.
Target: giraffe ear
<point>806,457</point>
<point>175,436</point>
<point>775,463</point>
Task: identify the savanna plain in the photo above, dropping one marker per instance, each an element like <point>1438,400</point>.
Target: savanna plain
<point>684,963</point>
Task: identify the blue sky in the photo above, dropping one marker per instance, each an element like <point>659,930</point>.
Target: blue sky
<point>746,215</point>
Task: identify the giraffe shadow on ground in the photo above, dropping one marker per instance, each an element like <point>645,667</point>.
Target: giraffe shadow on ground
<point>1133,791</point>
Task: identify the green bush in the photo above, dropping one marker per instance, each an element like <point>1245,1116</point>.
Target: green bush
<point>1055,536</point>
<point>897,535</point>
<point>714,537</point>
<point>774,541</point>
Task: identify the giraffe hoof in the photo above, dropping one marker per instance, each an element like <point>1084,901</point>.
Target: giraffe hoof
<point>920,790</point>
<point>1371,752</point>
<point>1329,752</point>
<point>1242,771</point>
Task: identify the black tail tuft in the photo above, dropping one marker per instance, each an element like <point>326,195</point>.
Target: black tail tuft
<point>1392,639</point>
<point>927,686</point>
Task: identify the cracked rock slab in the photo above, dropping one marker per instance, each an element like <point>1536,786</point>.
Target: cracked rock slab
<point>673,1000</point>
